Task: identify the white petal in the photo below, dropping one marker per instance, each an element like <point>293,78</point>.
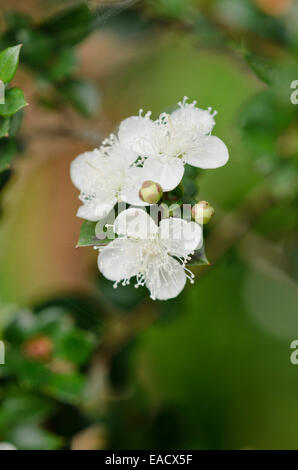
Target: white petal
<point>83,169</point>
<point>180,236</point>
<point>124,156</point>
<point>131,196</point>
<point>135,223</point>
<point>213,154</point>
<point>95,210</point>
<point>193,119</point>
<point>118,260</point>
<point>168,172</point>
<point>138,134</point>
<point>130,191</point>
<point>166,282</point>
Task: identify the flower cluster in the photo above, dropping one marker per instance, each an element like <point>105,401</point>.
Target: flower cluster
<point>139,166</point>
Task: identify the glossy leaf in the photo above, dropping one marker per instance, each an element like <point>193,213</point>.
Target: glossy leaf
<point>88,236</point>
<point>14,101</point>
<point>9,59</point>
<point>4,127</point>
<point>84,96</point>
<point>199,258</point>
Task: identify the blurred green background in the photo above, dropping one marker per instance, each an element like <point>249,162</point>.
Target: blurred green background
<point>90,367</point>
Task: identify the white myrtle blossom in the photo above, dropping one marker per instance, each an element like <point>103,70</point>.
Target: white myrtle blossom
<point>167,144</point>
<point>104,177</point>
<point>156,255</point>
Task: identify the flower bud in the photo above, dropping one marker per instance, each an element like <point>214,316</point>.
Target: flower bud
<point>150,192</point>
<point>202,212</point>
<point>39,348</point>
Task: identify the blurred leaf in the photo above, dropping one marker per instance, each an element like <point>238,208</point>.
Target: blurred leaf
<point>14,100</point>
<point>124,297</point>
<point>7,150</point>
<point>24,407</point>
<point>71,26</point>
<point>67,387</point>
<point>15,123</point>
<point>9,59</point>
<point>84,96</point>
<point>32,437</point>
<point>4,127</point>
<point>76,346</point>
<point>261,66</point>
<point>16,20</point>
<point>85,308</point>
<point>199,258</point>
<point>37,48</point>
<point>4,178</point>
<point>63,65</point>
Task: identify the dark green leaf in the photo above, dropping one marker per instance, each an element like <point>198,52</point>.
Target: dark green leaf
<point>63,66</point>
<point>71,26</point>
<point>262,67</point>
<point>83,96</point>
<point>4,127</point>
<point>32,437</point>
<point>88,237</point>
<point>9,59</point>
<point>4,178</point>
<point>76,346</point>
<point>23,407</point>
<point>67,387</point>
<point>7,150</point>
<point>38,48</point>
<point>16,20</point>
<point>199,258</point>
<point>14,100</point>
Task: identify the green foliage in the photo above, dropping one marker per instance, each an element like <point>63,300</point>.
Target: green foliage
<point>7,150</point>
<point>49,51</point>
<point>46,352</point>
<point>14,101</point>
<point>82,95</point>
<point>9,59</point>
<point>88,236</point>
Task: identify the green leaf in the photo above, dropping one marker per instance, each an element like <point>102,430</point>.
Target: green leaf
<point>70,26</point>
<point>67,387</point>
<point>261,66</point>
<point>88,236</point>
<point>14,100</point>
<point>32,437</point>
<point>63,66</point>
<point>76,346</point>
<point>24,407</point>
<point>199,258</point>
<point>7,150</point>
<point>83,96</point>
<point>4,127</point>
<point>9,59</point>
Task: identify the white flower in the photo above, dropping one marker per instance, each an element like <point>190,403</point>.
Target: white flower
<point>7,446</point>
<point>105,176</point>
<point>155,255</point>
<point>173,140</point>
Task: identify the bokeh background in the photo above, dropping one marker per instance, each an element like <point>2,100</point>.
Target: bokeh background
<point>90,367</point>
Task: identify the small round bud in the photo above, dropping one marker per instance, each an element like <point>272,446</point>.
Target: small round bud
<point>150,192</point>
<point>39,348</point>
<point>202,212</point>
